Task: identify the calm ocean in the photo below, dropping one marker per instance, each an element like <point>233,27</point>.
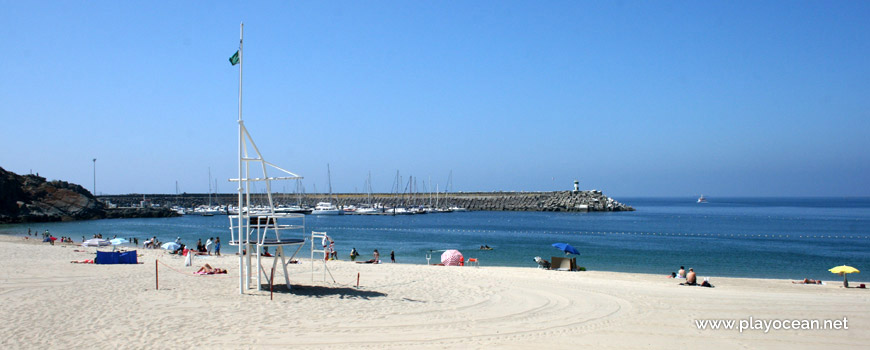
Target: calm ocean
<point>739,237</point>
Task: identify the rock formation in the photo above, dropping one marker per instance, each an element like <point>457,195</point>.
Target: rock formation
<point>30,198</point>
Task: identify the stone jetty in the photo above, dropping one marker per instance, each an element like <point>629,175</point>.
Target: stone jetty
<point>570,201</point>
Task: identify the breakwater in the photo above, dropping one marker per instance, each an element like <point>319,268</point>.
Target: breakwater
<point>579,201</point>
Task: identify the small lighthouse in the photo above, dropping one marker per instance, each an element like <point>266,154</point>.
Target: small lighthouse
<point>576,186</point>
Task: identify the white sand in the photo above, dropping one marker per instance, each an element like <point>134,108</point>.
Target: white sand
<point>47,302</point>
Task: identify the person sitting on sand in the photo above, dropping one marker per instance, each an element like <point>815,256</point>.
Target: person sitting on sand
<point>691,278</point>
<point>807,281</point>
<point>682,272</point>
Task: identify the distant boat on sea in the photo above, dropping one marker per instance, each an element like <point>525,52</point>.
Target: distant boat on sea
<point>702,199</point>
<point>326,208</point>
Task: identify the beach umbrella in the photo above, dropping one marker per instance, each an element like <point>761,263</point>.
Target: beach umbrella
<point>567,248</point>
<point>843,270</point>
<point>95,242</point>
<point>170,246</point>
<point>451,257</point>
<point>118,241</point>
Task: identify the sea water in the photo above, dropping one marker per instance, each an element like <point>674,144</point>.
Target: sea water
<point>792,238</point>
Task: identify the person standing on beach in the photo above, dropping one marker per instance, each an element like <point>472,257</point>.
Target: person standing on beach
<point>217,246</point>
<point>208,245</point>
<point>353,254</point>
<point>393,256</point>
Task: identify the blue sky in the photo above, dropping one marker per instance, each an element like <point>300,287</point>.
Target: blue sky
<point>632,98</point>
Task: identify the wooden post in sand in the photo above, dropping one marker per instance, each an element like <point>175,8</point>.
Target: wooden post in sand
<point>156,272</point>
<point>357,279</point>
<point>271,283</point>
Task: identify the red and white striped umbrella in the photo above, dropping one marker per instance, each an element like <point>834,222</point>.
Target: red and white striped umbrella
<point>451,257</point>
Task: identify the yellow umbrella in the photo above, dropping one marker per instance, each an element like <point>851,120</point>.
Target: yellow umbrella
<point>843,270</point>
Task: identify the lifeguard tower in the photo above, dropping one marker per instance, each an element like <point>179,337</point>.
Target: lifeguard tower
<point>253,229</point>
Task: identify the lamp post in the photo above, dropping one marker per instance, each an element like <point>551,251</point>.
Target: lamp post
<point>95,177</point>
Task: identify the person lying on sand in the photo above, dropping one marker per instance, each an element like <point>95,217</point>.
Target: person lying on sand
<point>807,281</point>
<point>87,261</point>
<point>372,261</point>
<point>208,270</point>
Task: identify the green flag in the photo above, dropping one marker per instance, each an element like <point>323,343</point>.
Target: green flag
<point>235,58</point>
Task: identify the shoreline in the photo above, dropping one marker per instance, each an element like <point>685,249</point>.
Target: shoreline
<point>821,274</point>
<point>397,306</point>
<point>232,254</point>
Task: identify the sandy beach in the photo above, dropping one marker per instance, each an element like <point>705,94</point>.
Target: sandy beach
<point>49,302</point>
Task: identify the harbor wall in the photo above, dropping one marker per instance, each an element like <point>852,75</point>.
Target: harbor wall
<point>579,201</point>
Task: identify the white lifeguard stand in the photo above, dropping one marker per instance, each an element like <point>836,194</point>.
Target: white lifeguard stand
<point>253,229</point>
<point>323,237</point>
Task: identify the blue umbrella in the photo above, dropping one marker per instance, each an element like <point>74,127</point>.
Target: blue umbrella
<point>567,248</point>
<point>118,241</point>
<point>171,246</point>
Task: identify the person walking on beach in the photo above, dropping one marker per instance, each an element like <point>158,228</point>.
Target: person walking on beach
<point>208,245</point>
<point>217,246</point>
<point>393,256</point>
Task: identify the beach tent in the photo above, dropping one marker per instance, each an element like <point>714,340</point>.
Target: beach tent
<point>95,242</point>
<point>451,257</point>
<point>109,258</point>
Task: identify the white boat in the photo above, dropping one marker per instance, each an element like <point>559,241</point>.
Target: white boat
<point>457,209</point>
<point>702,199</point>
<point>368,211</point>
<point>326,208</point>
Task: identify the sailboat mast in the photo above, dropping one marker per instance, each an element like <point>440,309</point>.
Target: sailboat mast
<point>209,188</point>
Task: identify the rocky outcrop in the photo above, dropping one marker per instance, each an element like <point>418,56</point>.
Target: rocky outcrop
<point>30,198</point>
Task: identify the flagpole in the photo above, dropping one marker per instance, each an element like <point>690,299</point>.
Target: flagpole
<point>242,272</point>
